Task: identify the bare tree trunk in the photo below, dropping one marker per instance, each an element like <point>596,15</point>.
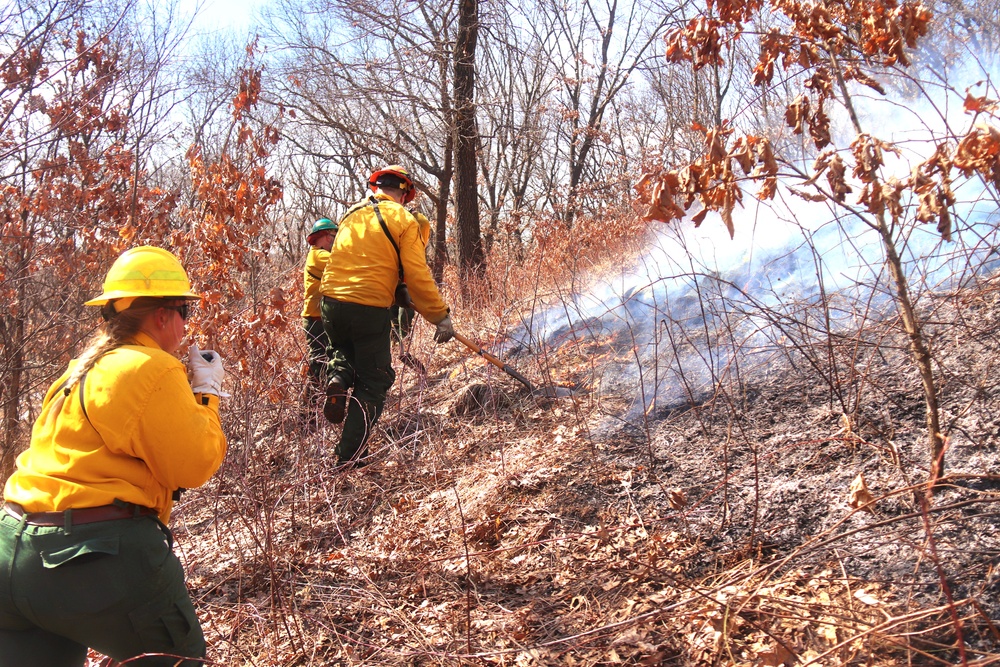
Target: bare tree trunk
<point>12,388</point>
<point>921,353</point>
<point>470,244</point>
<point>441,222</point>
<point>11,393</point>
<point>911,324</point>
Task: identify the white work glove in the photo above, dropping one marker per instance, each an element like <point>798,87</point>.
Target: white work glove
<point>206,371</point>
<point>445,331</point>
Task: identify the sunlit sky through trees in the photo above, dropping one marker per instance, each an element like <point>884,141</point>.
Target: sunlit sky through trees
<point>214,15</point>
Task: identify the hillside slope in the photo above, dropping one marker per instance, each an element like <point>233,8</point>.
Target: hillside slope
<point>496,527</point>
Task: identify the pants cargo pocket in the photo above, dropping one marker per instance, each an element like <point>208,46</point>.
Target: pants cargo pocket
<point>81,553</point>
<point>75,578</point>
<point>167,624</point>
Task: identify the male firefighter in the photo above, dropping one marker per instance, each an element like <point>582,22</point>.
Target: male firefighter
<point>379,242</point>
<point>320,240</point>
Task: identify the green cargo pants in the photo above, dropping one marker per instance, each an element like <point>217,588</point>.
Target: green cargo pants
<point>361,356</point>
<point>114,586</point>
<point>318,342</point>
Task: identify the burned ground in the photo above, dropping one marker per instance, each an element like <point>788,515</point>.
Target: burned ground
<point>495,527</point>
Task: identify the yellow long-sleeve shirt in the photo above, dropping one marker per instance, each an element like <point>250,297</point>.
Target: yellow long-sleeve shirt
<point>316,262</point>
<point>144,434</point>
<point>364,267</point>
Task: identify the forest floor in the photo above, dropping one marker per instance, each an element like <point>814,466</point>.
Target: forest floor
<point>495,527</point>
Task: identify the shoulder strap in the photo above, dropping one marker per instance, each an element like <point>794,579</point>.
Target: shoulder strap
<point>381,221</point>
<point>66,392</point>
<point>83,404</point>
<point>354,207</point>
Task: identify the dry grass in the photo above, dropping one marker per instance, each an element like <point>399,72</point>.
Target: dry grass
<point>499,528</point>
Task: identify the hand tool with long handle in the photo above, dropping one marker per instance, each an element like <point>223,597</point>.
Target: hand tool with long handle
<point>493,360</point>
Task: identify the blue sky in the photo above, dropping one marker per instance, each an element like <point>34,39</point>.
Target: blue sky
<point>221,14</point>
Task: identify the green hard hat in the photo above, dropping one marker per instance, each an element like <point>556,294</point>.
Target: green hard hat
<point>322,225</point>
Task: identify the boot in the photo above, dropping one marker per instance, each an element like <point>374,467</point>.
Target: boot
<point>336,401</point>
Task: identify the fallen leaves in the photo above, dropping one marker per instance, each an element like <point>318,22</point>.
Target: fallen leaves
<point>783,622</point>
<point>860,496</point>
<point>867,598</point>
<point>677,499</point>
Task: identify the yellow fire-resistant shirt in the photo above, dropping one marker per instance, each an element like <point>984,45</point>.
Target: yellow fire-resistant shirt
<point>364,268</point>
<point>316,262</point>
<point>144,434</point>
<point>424,227</point>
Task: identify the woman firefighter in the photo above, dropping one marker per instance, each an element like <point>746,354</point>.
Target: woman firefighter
<point>85,552</point>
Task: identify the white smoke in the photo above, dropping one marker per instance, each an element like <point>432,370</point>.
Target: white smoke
<point>698,309</point>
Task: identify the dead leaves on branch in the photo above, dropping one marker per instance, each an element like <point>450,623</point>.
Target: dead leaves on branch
<point>826,39</point>
<point>835,170</point>
<point>819,36</point>
<point>791,51</point>
<point>84,197</point>
<point>981,104</point>
<point>735,11</point>
<point>979,152</point>
<point>700,42</point>
<point>660,193</point>
<point>931,183</point>
<point>882,197</point>
<point>712,179</point>
<point>888,29</point>
<point>249,92</point>
<point>881,30</point>
<point>800,117</point>
<point>869,156</point>
<point>228,239</point>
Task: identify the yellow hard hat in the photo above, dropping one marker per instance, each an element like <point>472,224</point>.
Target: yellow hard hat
<point>145,271</point>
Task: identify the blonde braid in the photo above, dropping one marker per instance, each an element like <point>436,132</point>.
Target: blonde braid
<point>113,333</point>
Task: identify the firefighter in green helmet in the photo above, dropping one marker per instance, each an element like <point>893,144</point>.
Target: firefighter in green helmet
<point>320,241</point>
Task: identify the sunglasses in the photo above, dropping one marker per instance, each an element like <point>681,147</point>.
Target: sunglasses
<point>182,310</point>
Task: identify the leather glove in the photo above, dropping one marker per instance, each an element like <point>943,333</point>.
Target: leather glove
<point>445,331</point>
<point>206,371</point>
